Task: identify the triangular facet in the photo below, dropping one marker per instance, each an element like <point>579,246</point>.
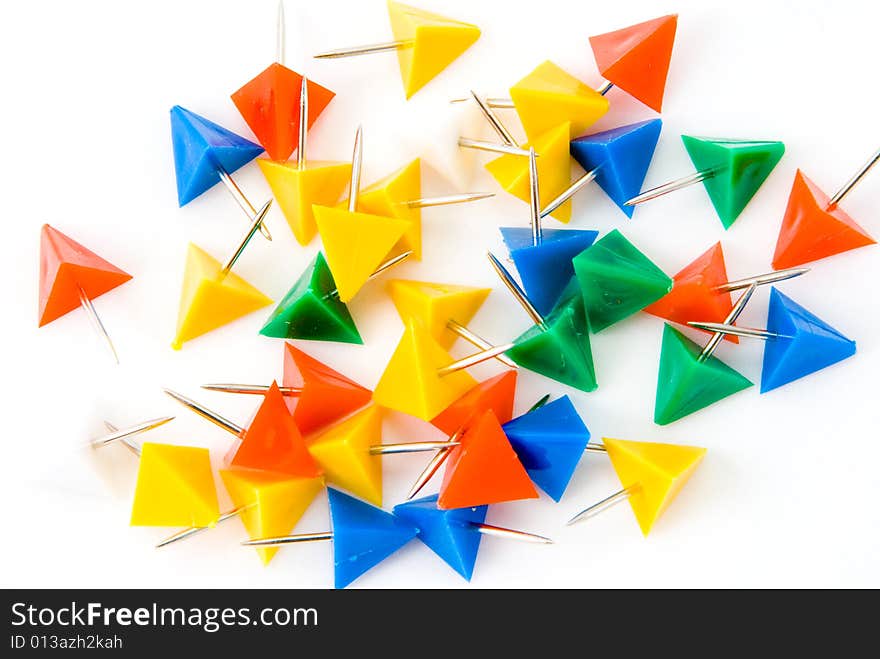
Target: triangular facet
<point>550,442</point>
<point>434,305</point>
<point>494,394</point>
<point>209,300</point>
<point>621,157</point>
<point>655,472</point>
<point>685,384</point>
<point>66,267</point>
<point>388,198</point>
<point>739,169</point>
<point>363,536</point>
<point>312,310</point>
<point>435,42</point>
<point>636,58</point>
<point>806,344</point>
<point>484,469</point>
<point>451,534</point>
<point>343,451</point>
<point>811,230</point>
<point>200,147</point>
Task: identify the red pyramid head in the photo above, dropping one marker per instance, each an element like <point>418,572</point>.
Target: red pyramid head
<point>636,58</point>
<point>484,469</point>
<point>494,394</point>
<point>693,293</point>
<point>326,395</point>
<point>811,230</point>
<point>66,267</point>
<point>272,442</point>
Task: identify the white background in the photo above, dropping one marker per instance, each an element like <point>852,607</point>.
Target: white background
<point>788,493</point>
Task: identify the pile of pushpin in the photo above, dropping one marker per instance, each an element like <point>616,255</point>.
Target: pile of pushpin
<point>319,428</point>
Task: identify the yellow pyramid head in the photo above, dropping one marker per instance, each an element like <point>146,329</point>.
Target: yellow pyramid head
<point>434,305</point>
<point>343,452</point>
<point>549,96</point>
<point>433,43</point>
<point>656,472</point>
<point>296,190</point>
<point>209,301</point>
<point>410,383</point>
<point>554,170</point>
<point>175,487</point>
<point>389,197</point>
<point>271,503</point>
<point>356,244</point>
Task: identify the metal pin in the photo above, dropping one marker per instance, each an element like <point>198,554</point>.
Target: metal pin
<point>205,413</point>
<point>448,200</point>
<point>604,504</point>
<point>473,360</point>
<point>494,103</point>
<point>303,124</point>
<point>849,185</point>
<point>117,434</point>
<point>570,192</point>
<point>242,201</point>
<point>357,160</point>
<point>492,147</point>
<point>672,186</point>
<point>494,121</point>
<point>195,530</point>
<point>96,321</point>
<point>287,540</point>
<point>477,341</point>
<point>515,288</point>
<point>366,50</point>
<point>411,447</point>
<point>434,465</point>
<point>735,313</point>
<point>604,88</point>
<point>130,445</point>
<point>280,37</point>
<point>748,332</point>
<point>596,448</point>
<point>761,280</point>
<point>511,534</point>
<point>261,389</point>
<point>534,200</point>
<point>255,225</point>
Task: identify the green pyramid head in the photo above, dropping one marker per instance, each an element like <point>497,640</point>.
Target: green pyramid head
<point>617,280</point>
<point>740,167</point>
<point>559,349</point>
<point>312,310</point>
<point>684,384</point>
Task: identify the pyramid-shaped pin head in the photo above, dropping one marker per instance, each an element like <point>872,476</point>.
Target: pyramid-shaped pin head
<point>451,534</point>
<point>620,157</point>
<point>653,474</point>
<point>484,468</point>
<point>686,383</point>
<point>363,536</point>
<point>312,310</point>
<point>813,229</point>
<point>389,197</point>
<point>550,442</point>
<point>411,382</point>
<point>69,271</point>
<point>636,58</point>
<point>494,394</point>
<point>201,149</point>
<point>175,487</point>
<point>738,170</point>
<point>325,395</point>
<point>804,343</point>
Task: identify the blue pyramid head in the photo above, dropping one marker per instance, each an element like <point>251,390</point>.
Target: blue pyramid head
<point>545,269</point>
<point>199,147</point>
<point>549,442</point>
<point>622,156</point>
<point>363,536</point>
<point>448,533</point>
<point>806,345</point>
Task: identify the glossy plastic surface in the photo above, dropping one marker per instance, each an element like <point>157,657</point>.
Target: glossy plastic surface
<point>389,197</point>
<point>494,394</point>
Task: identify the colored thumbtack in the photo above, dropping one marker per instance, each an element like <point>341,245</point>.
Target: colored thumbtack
<point>495,393</point>
<point>814,227</point>
<point>651,474</point>
<point>205,154</point>
<point>732,171</point>
<point>71,276</point>
<point>212,295</point>
<point>798,342</point>
<point>300,185</point>
<point>454,535</point>
<point>269,103</point>
<point>702,289</point>
<point>363,536</point>
<point>690,377</point>
<point>426,43</point>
